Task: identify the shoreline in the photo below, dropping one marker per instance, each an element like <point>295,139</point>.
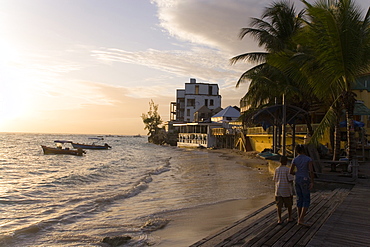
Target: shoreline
<point>187,226</point>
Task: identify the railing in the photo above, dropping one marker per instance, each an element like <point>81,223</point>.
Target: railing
<point>224,131</point>
<point>194,138</point>
<point>218,131</point>
<point>299,129</point>
<point>259,131</point>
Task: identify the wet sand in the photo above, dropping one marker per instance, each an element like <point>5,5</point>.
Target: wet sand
<point>191,225</point>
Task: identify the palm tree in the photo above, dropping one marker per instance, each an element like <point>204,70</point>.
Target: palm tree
<point>338,38</point>
<point>274,31</point>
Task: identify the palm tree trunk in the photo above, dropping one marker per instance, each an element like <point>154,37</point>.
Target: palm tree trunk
<point>350,105</point>
<point>337,135</point>
<point>337,139</point>
<point>336,145</point>
<point>309,125</point>
<point>351,149</point>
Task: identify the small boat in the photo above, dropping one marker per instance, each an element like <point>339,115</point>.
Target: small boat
<point>91,146</point>
<point>138,135</point>
<point>267,154</point>
<point>60,149</point>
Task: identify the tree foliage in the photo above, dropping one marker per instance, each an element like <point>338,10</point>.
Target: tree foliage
<point>311,56</point>
<point>275,31</point>
<point>338,38</point>
<point>152,119</point>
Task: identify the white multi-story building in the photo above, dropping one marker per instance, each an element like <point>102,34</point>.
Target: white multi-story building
<point>192,98</point>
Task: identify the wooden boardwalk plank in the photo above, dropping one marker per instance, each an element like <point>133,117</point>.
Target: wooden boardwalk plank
<point>269,228</point>
<point>349,224</point>
<point>265,229</point>
<point>296,233</point>
<point>251,231</point>
<point>226,232</point>
<point>271,234</point>
<point>321,218</point>
<point>339,218</point>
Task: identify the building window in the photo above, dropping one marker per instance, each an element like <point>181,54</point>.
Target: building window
<point>211,102</point>
<point>188,112</point>
<point>206,102</point>
<point>210,90</point>
<point>191,102</point>
<point>197,89</point>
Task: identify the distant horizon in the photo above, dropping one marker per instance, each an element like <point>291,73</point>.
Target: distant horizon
<point>97,135</point>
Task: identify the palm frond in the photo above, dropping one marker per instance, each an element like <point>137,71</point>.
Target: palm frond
<point>255,57</point>
<point>249,74</point>
<point>328,121</point>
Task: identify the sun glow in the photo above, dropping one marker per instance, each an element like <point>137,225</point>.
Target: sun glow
<point>14,93</point>
<point>13,100</point>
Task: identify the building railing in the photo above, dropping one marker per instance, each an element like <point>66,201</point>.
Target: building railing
<point>224,131</point>
<point>194,138</point>
<point>299,129</point>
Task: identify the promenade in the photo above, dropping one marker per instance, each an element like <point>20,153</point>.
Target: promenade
<point>338,217</point>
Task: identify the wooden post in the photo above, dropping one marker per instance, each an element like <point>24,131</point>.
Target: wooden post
<point>283,131</point>
<point>355,166</point>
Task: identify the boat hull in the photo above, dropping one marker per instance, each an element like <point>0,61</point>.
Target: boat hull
<point>50,150</point>
<point>88,146</point>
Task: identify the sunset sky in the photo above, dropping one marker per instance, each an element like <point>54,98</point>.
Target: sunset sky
<point>92,66</point>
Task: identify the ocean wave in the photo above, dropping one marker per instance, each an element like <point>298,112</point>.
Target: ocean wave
<point>18,201</point>
<point>137,187</point>
<point>160,170</point>
<point>77,208</point>
<point>11,238</point>
<point>78,179</point>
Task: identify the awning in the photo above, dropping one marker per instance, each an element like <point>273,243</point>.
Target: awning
<point>273,115</point>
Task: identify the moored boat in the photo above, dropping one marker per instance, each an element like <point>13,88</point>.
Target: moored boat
<point>91,146</point>
<point>60,149</point>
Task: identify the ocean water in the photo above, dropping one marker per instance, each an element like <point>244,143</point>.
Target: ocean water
<point>65,200</point>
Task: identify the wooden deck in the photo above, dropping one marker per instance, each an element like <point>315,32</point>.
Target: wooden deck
<point>349,225</point>
<point>261,229</point>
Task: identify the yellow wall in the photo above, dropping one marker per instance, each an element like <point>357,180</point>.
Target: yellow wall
<point>260,142</point>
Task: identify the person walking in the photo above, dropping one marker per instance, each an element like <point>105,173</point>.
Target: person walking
<point>304,179</point>
<point>283,189</point>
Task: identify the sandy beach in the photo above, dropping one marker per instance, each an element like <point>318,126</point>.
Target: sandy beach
<point>191,225</point>
<point>188,226</point>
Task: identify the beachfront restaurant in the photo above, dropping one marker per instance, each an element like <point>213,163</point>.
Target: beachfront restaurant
<point>196,135</point>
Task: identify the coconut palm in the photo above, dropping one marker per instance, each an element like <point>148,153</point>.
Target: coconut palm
<point>274,31</point>
<point>299,66</point>
<point>279,23</point>
<point>338,36</point>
